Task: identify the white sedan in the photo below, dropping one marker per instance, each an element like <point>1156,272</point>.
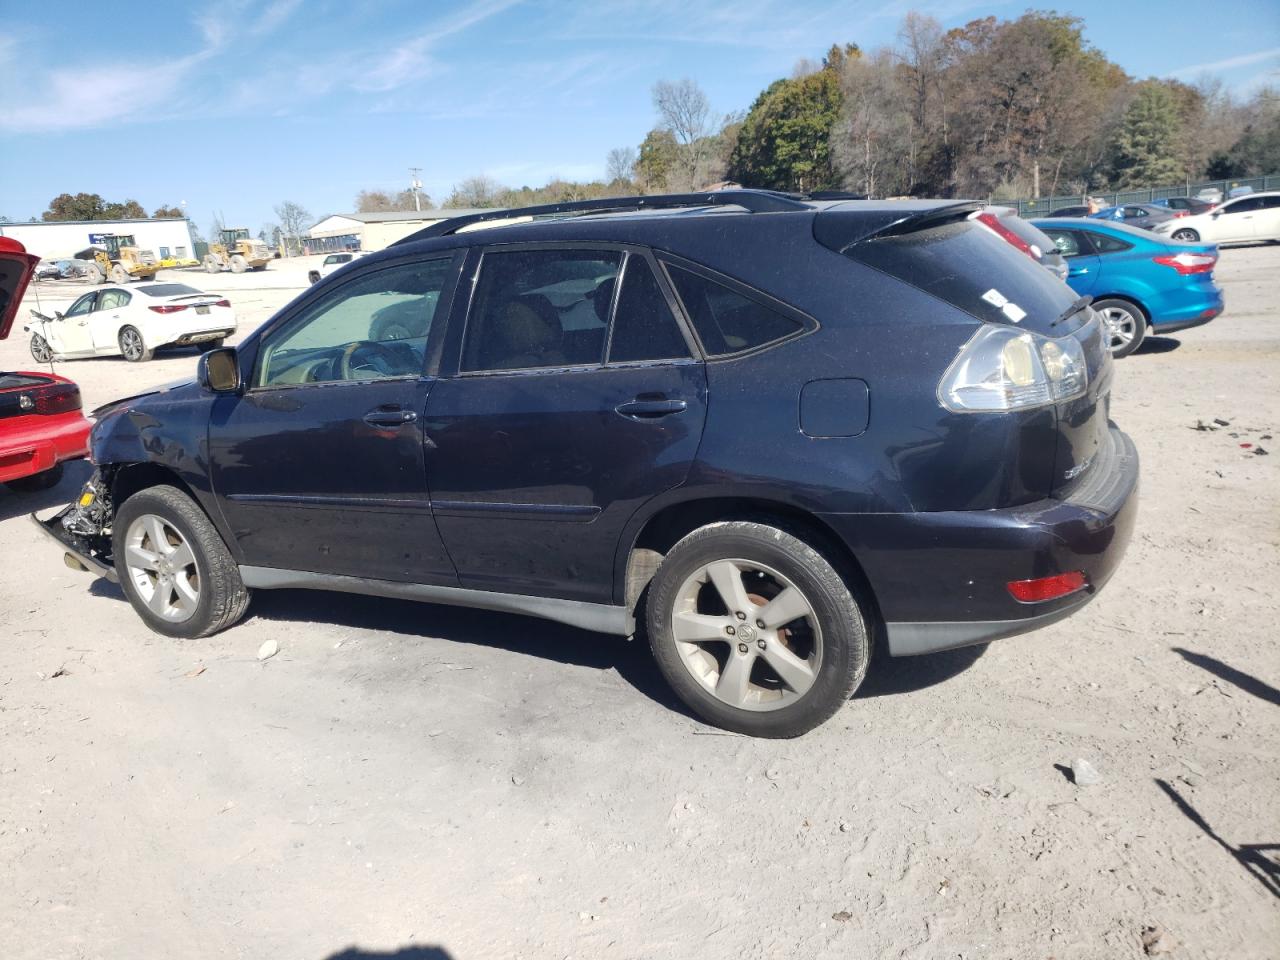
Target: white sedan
<point>1253,217</point>
<point>334,261</point>
<point>132,322</point>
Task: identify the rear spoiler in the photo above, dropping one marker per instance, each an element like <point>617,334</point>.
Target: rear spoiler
<point>840,228</point>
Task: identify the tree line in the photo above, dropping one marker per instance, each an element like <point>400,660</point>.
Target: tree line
<point>995,108</point>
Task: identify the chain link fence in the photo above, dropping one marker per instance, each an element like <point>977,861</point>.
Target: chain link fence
<point>1043,206</point>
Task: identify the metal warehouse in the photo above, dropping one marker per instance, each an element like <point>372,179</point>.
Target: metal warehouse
<point>165,237</point>
<point>372,231</point>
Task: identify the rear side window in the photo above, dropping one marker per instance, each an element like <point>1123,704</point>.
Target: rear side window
<point>1106,243</point>
<point>113,299</point>
<point>644,328</point>
<point>726,321</point>
<point>1069,243</point>
<point>540,308</point>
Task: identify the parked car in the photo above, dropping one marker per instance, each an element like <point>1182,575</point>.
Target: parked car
<point>41,423</point>
<point>1239,192</point>
<point>1070,212</point>
<point>48,270</point>
<point>1251,218</point>
<point>1184,206</point>
<point>1210,195</point>
<point>1145,215</point>
<point>133,322</point>
<point>1005,223</point>
<point>1138,281</point>
<point>334,261</point>
<point>767,428</point>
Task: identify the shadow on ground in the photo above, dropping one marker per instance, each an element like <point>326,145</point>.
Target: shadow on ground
<point>1261,860</point>
<point>1246,682</point>
<point>74,475</point>
<point>1155,344</point>
<point>404,953</point>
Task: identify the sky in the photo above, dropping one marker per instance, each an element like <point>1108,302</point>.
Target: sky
<point>238,105</point>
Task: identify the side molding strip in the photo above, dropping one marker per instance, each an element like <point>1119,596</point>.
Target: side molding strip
<point>600,617</point>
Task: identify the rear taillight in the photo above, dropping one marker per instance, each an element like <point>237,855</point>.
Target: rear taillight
<point>221,303</point>
<point>1181,213</point>
<point>168,308</point>
<point>59,398</point>
<point>1186,263</point>
<point>1046,588</point>
<point>1004,368</point>
<point>992,223</point>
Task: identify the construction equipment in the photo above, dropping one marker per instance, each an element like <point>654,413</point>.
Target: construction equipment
<point>236,252</point>
<point>116,257</point>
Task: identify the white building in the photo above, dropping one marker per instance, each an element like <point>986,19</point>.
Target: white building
<point>372,231</point>
<point>55,240</point>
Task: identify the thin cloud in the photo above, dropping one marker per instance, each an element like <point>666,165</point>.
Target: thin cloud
<point>1230,63</point>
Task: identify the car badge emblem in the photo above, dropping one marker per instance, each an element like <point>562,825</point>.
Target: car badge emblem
<point>26,403</point>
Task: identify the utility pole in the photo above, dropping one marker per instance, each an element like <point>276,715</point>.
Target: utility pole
<point>415,184</point>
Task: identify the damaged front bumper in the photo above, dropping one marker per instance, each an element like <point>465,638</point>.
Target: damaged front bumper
<point>80,528</point>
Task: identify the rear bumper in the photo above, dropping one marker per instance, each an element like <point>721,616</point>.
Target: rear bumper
<point>34,444</point>
<point>1190,312</point>
<point>941,578</point>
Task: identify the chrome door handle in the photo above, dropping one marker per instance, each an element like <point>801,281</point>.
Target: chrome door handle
<point>650,409</point>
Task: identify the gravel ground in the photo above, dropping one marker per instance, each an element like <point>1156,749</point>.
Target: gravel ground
<point>426,782</point>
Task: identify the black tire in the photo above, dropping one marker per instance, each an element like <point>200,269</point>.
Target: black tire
<point>37,481</point>
<point>314,276</point>
<point>845,648</point>
<point>1186,234</point>
<point>41,352</point>
<point>223,597</point>
<point>1136,322</point>
<point>132,347</point>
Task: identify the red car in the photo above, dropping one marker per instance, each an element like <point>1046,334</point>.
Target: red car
<point>41,424</point>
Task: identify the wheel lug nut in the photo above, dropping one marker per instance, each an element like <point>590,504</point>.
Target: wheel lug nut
<point>741,615</point>
<point>730,631</point>
<point>742,648</point>
<point>760,644</point>
<point>760,624</point>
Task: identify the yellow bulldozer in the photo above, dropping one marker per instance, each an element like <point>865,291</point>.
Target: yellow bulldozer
<point>116,257</point>
<point>237,252</point>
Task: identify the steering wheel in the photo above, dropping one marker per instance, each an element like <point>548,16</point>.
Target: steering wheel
<point>347,369</point>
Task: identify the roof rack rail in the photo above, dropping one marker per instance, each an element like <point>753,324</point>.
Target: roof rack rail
<point>755,201</point>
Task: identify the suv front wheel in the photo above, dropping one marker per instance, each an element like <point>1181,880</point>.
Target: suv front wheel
<point>755,630</point>
<point>174,567</point>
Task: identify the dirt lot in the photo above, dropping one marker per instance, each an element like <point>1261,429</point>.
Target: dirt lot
<point>477,785</point>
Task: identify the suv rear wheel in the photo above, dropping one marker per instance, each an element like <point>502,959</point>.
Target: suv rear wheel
<point>174,567</point>
<point>755,630</point>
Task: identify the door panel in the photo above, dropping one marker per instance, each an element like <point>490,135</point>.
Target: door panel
<point>319,465</point>
<point>71,335</point>
<point>534,474</point>
<point>310,480</point>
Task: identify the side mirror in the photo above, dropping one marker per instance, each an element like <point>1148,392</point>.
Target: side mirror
<point>219,370</point>
<point>57,314</point>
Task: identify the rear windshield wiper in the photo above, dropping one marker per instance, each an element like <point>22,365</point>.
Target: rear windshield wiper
<point>1072,310</point>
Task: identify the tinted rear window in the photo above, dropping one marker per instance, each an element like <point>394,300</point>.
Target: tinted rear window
<point>170,290</point>
<point>969,267</point>
<point>726,321</point>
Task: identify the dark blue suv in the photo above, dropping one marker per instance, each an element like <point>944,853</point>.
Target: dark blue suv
<point>765,429</point>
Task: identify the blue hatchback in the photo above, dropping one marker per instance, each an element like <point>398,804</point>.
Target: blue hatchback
<point>1138,280</point>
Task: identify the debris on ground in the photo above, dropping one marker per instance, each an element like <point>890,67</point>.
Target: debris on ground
<point>60,672</point>
<point>1084,773</point>
<point>1157,942</point>
<point>268,650</point>
<point>842,916</point>
<point>195,672</point>
<point>1259,451</point>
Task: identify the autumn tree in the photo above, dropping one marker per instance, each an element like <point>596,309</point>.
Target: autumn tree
<point>379,201</point>
<point>477,191</point>
<point>656,160</point>
<point>685,111</point>
<point>175,212</point>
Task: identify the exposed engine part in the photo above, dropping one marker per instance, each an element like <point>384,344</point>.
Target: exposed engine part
<point>91,514</point>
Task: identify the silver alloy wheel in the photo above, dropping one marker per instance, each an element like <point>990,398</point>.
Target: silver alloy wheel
<point>162,568</point>
<point>1189,236</point>
<point>747,634</point>
<point>40,350</point>
<point>1122,326</point>
<point>131,344</point>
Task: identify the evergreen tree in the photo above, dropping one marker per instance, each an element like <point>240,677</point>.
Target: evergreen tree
<point>1145,150</point>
